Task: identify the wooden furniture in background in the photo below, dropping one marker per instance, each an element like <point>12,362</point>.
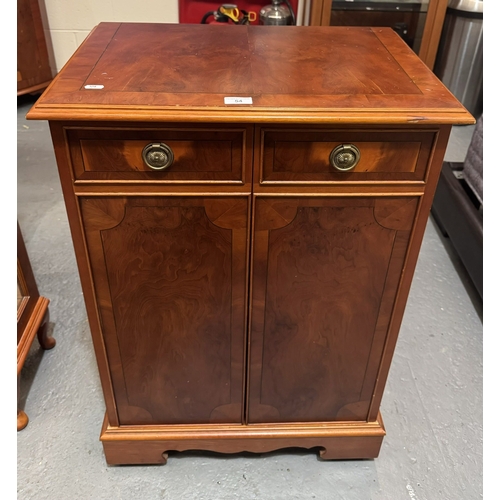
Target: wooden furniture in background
<point>32,315</point>
<point>33,68</point>
<point>244,278</point>
<point>321,11</point>
<point>458,207</point>
<point>433,28</point>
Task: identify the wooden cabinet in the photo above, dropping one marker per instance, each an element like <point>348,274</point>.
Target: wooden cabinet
<point>33,68</point>
<point>32,316</point>
<point>246,267</point>
<point>419,22</point>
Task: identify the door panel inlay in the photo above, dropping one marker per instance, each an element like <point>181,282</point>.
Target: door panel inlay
<point>172,306</point>
<point>319,286</point>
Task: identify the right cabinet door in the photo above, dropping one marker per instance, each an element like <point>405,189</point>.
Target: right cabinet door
<point>325,276</point>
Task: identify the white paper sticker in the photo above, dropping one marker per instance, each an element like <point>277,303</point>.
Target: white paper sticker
<point>238,100</point>
<point>90,87</point>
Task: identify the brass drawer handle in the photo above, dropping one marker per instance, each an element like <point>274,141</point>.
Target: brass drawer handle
<point>345,157</point>
<point>158,156</point>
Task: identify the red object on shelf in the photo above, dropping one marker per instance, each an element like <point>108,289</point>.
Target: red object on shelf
<point>192,11</point>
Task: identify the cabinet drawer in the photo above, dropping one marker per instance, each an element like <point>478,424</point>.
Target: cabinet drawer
<point>199,155</point>
<point>295,155</point>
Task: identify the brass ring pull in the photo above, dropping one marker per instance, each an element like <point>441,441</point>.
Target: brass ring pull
<point>345,157</point>
<point>158,156</point>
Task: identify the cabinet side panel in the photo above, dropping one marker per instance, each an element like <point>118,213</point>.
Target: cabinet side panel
<point>33,69</point>
<point>61,151</point>
<point>169,290</point>
<point>321,312</point>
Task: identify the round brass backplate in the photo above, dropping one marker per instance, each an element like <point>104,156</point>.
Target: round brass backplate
<point>345,157</point>
<point>158,156</point>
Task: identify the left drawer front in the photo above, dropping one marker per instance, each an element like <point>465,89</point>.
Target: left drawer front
<point>199,155</point>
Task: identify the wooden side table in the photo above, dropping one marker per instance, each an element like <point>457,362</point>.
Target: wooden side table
<point>32,315</point>
<point>33,68</point>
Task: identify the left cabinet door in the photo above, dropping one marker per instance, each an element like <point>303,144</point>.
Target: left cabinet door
<point>170,278</point>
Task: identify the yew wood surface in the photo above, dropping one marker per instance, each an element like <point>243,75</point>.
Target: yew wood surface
<point>200,155</point>
<point>28,293</point>
<point>134,189</point>
<point>303,155</point>
<point>150,444</point>
<point>33,68</point>
<point>162,72</point>
<point>170,280</point>
<point>201,283</point>
<point>32,310</point>
<point>421,220</point>
<point>325,276</point>
<point>32,316</point>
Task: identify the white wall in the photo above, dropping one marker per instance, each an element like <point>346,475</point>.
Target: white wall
<point>68,22</point>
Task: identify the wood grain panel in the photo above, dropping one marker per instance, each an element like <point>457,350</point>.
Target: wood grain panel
<point>33,68</point>
<point>324,283</point>
<point>171,287</point>
<point>352,69</point>
<point>151,444</point>
<point>199,155</point>
<point>316,74</point>
<point>303,155</point>
<point>164,256</point>
<point>177,58</point>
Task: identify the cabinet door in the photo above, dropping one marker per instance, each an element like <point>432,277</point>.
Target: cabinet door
<point>170,277</point>
<point>325,277</point>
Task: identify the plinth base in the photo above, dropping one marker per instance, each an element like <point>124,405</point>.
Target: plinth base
<point>139,445</point>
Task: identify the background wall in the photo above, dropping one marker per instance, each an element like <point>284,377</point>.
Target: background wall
<point>68,22</point>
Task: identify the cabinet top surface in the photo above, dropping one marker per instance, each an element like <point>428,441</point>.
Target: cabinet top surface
<point>183,72</point>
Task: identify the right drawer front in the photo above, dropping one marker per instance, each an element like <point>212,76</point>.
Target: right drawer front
<point>306,156</point>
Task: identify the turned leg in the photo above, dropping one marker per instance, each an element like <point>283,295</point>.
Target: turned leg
<point>22,418</point>
<point>45,341</point>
